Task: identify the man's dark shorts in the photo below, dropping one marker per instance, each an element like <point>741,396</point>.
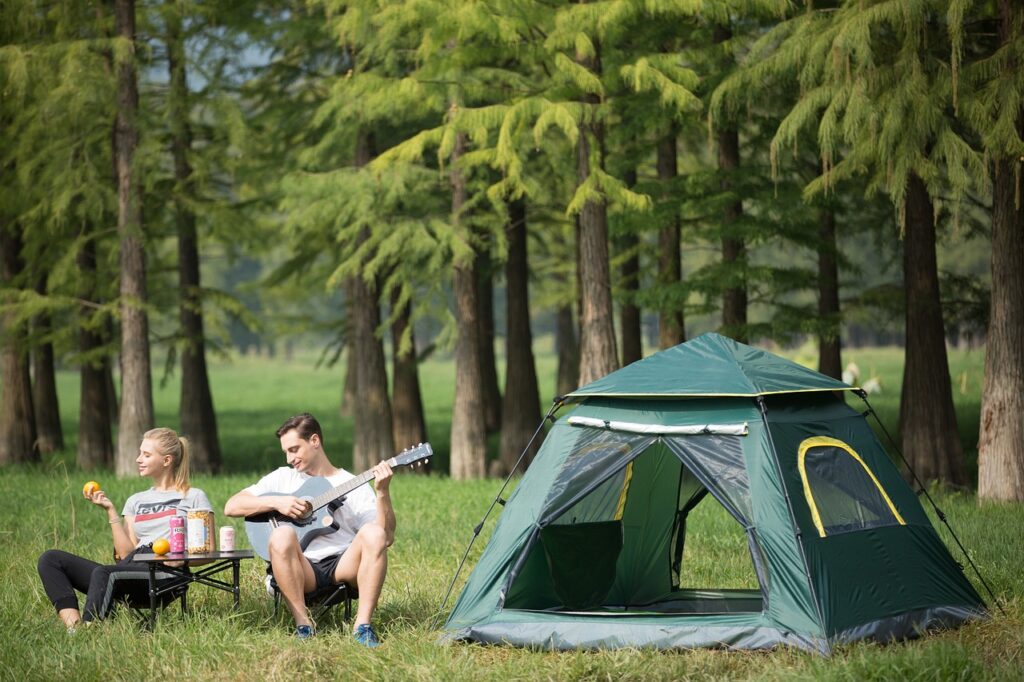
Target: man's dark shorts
<point>324,570</point>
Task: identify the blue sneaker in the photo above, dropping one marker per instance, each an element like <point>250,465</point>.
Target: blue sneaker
<point>304,632</point>
<point>365,635</point>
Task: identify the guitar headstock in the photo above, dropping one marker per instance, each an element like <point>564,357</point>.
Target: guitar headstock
<point>414,456</point>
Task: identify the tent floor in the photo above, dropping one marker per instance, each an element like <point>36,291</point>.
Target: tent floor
<point>694,602</point>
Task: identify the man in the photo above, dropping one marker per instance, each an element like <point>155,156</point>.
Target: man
<point>355,554</point>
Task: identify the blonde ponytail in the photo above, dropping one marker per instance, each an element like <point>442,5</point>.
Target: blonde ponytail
<point>181,473</point>
<point>169,443</point>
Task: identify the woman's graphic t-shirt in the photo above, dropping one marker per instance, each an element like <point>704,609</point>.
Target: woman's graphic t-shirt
<point>151,510</point>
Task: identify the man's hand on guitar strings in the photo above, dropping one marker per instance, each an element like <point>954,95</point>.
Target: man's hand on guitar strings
<point>293,507</point>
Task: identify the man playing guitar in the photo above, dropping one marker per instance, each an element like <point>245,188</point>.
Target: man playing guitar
<point>355,554</point>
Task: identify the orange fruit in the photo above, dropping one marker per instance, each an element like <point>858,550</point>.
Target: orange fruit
<point>89,488</point>
<point>161,546</point>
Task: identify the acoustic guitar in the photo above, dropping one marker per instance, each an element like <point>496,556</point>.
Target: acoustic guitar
<point>322,499</point>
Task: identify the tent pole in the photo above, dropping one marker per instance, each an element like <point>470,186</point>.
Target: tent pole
<point>555,405</point>
<point>938,512</point>
<point>792,516</point>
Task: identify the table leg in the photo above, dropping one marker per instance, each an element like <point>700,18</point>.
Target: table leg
<point>234,580</point>
<point>152,596</point>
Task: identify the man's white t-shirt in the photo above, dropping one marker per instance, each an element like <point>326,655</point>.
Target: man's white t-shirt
<point>360,508</point>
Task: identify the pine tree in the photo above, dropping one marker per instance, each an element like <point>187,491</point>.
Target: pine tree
<point>521,410</point>
<point>198,419</point>
<point>876,83</point>
<point>17,416</point>
<point>991,99</point>
<point>136,380</point>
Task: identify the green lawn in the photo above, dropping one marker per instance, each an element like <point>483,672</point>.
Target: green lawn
<point>42,507</point>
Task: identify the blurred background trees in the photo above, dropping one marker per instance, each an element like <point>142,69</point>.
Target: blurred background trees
<point>393,179</point>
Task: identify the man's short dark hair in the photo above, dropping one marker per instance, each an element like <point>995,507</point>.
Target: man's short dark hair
<point>305,424</point>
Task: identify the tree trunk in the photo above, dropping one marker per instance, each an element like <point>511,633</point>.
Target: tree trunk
<point>1001,437</point>
<point>44,383</point>
<point>931,441</point>
<point>629,313</point>
<point>485,316</point>
<point>671,322</point>
<point>829,362</point>
<point>469,435</point>
<point>734,251</point>
<point>348,390</point>
<point>136,381</point>
<point>17,416</point>
<point>95,445</point>
<point>598,355</point>
<point>198,419</point>
<point>410,427</point>
<point>521,407</point>
<point>374,439</point>
<point>568,350</point>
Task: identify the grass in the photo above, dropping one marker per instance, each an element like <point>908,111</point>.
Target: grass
<point>42,508</point>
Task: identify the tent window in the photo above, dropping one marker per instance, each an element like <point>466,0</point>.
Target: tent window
<point>842,492</point>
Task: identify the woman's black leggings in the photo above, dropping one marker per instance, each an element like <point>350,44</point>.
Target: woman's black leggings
<point>63,573</point>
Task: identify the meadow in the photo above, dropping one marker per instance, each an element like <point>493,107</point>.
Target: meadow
<point>41,507</point>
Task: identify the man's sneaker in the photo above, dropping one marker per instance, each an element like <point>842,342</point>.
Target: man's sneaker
<point>365,635</point>
<point>304,631</point>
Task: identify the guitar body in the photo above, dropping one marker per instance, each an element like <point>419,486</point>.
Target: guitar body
<point>323,499</point>
<point>319,522</point>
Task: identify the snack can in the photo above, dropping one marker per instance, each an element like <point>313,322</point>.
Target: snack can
<point>177,524</point>
<point>227,539</point>
<point>200,531</point>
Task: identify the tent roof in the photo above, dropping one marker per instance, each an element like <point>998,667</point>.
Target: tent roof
<point>708,366</point>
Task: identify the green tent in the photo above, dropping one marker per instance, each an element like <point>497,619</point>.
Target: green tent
<point>589,551</point>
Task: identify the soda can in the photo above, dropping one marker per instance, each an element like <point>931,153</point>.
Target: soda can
<point>177,524</point>
<point>227,539</point>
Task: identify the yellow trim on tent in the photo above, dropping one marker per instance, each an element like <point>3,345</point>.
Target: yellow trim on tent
<point>580,396</point>
<point>625,490</point>
<point>819,441</point>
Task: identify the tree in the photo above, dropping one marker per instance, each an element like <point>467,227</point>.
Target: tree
<point>95,445</point>
<point>829,362</point>
<point>374,440</point>
<point>628,245</point>
<point>521,410</point>
<point>44,385</point>
<point>875,81</point>
<point>931,441</point>
<point>410,426</point>
<point>598,355</point>
<point>198,419</point>
<point>734,251</point>
<point>671,322</point>
<point>488,367</point>
<point>468,434</point>
<point>136,381</point>
<point>17,416</point>
<point>994,108</point>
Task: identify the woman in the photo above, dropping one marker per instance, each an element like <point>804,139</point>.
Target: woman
<point>163,458</point>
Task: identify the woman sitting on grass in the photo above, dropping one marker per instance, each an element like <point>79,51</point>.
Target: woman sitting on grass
<point>163,457</point>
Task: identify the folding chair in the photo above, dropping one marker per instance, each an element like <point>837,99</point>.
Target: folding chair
<point>320,601</point>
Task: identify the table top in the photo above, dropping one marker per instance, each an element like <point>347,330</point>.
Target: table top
<point>149,557</point>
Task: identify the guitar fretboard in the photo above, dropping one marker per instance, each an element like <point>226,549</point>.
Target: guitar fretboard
<point>344,489</point>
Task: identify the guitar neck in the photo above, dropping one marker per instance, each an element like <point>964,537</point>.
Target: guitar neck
<point>344,489</point>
